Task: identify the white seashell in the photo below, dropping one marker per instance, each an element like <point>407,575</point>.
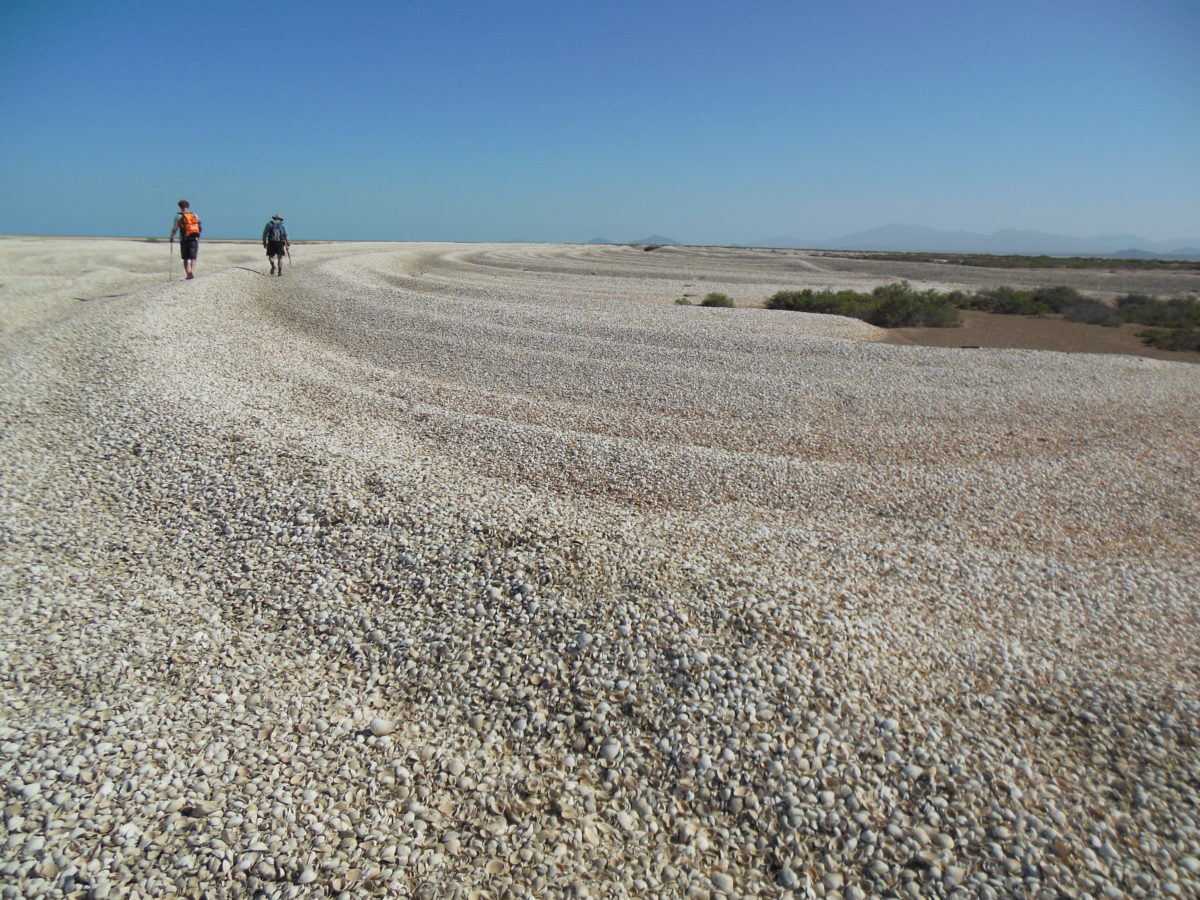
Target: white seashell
<point>380,726</point>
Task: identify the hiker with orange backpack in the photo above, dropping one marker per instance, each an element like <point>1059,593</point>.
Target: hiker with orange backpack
<point>188,226</point>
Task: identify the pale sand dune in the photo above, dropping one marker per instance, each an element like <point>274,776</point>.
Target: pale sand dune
<point>444,567</point>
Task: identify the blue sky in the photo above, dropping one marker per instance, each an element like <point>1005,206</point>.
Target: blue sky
<point>710,122</point>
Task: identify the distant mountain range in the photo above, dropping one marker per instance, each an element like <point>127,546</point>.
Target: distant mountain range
<point>919,239</point>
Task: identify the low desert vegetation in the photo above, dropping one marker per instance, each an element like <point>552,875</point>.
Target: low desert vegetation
<point>900,306</point>
<point>712,299</point>
<point>1065,301</point>
<point>1173,339</point>
<point>1178,312</point>
<point>1005,301</point>
<point>888,306</point>
<point>1092,312</point>
<point>1176,321</point>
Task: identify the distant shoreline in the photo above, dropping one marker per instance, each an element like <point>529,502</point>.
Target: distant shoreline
<point>1002,260</point>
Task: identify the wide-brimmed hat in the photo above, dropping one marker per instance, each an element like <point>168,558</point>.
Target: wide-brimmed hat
<point>277,216</point>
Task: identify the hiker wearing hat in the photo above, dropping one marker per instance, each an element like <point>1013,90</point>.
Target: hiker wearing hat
<point>188,226</point>
<point>275,239</point>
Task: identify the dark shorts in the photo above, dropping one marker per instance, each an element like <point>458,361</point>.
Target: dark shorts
<point>189,248</point>
<point>274,248</point>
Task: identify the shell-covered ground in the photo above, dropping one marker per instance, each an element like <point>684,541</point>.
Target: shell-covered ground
<point>486,570</point>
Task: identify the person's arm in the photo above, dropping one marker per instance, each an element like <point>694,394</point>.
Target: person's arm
<point>175,227</point>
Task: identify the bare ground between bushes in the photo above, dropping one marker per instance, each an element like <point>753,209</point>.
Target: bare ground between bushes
<point>988,330</point>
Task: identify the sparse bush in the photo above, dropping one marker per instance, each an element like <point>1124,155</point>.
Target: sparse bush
<point>840,303</point>
<point>1092,312</point>
<point>682,301</point>
<point>1006,301</point>
<point>1012,302</point>
<point>1178,312</point>
<point>902,307</point>
<point>1058,298</point>
<point>897,305</point>
<point>717,299</point>
<point>888,306</point>
<point>1175,339</point>
<point>1130,300</point>
<point>1178,320</point>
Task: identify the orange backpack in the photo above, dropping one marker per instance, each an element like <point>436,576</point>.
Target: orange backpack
<point>189,225</point>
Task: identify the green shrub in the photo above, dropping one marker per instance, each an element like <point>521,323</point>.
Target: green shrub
<point>1135,300</point>
<point>899,306</point>
<point>683,301</point>
<point>1058,298</point>
<point>1175,339</point>
<point>888,306</point>
<point>1093,312</point>
<point>1006,301</point>
<point>840,303</point>
<point>1178,312</point>
<point>716,299</point>
<point>1177,320</point>
<point>1012,302</point>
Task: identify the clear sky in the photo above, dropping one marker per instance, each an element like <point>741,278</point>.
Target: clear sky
<point>706,121</point>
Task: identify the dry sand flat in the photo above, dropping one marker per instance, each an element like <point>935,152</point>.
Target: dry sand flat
<point>980,329</point>
<point>439,569</point>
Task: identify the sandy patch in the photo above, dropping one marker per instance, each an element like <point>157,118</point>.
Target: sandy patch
<point>981,329</point>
